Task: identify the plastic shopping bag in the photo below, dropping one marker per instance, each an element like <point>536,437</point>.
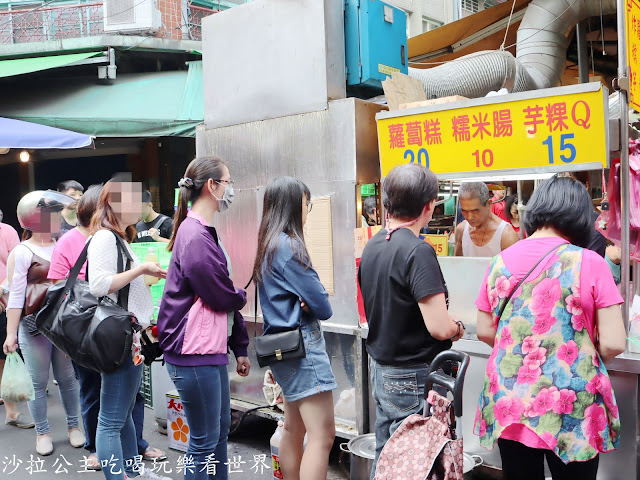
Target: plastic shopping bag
<point>16,385</point>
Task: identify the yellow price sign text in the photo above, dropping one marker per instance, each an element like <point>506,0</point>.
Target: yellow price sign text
<point>554,130</point>
<point>632,15</point>
<point>440,243</point>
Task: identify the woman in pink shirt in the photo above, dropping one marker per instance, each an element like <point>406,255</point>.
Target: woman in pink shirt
<point>550,310</point>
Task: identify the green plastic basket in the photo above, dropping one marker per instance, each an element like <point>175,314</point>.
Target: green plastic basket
<point>141,250</point>
<point>367,190</point>
<point>164,258</point>
<point>156,292</point>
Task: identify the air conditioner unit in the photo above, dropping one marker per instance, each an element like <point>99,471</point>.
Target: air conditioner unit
<point>132,16</point>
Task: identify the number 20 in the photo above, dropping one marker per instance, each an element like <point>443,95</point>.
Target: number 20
<point>422,154</point>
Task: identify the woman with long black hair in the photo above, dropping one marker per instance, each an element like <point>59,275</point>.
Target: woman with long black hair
<point>290,295</point>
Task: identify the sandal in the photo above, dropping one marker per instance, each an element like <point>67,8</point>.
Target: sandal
<point>93,463</point>
<point>151,454</point>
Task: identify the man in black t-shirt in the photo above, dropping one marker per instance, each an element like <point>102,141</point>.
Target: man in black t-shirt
<point>75,190</point>
<point>405,300</point>
<point>154,227</point>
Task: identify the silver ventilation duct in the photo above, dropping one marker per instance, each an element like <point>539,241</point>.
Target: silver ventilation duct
<point>543,38</point>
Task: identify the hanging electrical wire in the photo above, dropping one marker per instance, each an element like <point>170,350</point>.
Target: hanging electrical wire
<point>513,5</point>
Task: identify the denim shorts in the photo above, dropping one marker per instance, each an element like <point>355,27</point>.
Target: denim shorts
<point>307,376</point>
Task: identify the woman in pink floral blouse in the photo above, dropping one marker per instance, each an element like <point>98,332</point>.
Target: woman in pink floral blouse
<point>547,392</point>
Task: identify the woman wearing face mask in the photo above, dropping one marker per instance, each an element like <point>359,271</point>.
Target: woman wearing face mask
<point>119,208</point>
<point>199,316</point>
<point>28,266</point>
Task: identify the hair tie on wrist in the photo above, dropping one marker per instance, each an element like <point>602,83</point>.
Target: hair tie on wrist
<point>185,182</point>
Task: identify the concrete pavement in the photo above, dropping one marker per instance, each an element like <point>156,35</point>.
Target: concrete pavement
<point>19,461</point>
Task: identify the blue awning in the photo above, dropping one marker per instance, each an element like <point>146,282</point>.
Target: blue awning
<point>18,134</point>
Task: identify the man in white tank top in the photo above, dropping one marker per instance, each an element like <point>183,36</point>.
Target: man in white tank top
<point>482,234</point>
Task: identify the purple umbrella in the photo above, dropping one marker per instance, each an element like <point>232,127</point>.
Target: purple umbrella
<point>19,134</point>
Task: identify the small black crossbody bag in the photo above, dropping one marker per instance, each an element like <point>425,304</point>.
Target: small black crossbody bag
<point>276,347</point>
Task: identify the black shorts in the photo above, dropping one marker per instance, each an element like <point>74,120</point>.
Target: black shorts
<point>3,333</point>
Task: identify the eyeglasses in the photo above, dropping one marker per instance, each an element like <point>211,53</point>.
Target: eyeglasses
<point>228,182</point>
<point>309,207</point>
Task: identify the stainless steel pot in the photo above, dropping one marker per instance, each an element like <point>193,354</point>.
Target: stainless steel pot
<point>362,452</point>
<point>469,463</point>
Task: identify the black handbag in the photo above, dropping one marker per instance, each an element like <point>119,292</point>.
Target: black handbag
<point>29,324</point>
<point>276,347</point>
<point>150,350</point>
<point>96,333</point>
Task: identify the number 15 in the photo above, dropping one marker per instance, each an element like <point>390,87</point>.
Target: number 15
<point>565,144</point>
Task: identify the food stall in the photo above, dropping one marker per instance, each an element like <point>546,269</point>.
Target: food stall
<point>524,136</point>
<point>337,144</point>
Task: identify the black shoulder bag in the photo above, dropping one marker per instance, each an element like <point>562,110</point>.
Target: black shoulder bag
<point>508,299</point>
<point>96,333</point>
<point>276,347</point>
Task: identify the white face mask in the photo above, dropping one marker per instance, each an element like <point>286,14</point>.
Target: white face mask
<point>227,198</point>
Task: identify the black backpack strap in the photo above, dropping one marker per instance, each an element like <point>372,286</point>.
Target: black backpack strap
<point>159,221</point>
<point>255,304</point>
<point>123,293</point>
<point>75,270</point>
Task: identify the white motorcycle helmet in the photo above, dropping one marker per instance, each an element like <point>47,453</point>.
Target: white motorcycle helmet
<point>35,210</point>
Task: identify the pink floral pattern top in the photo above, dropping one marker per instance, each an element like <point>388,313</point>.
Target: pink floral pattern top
<point>545,377</point>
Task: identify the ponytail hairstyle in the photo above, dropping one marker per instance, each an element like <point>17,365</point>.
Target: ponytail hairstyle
<point>199,171</point>
<point>105,218</point>
<point>281,213</point>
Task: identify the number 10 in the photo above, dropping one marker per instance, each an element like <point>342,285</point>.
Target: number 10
<point>487,158</point>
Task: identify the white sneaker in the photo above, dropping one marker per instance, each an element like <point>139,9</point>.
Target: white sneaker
<point>148,474</point>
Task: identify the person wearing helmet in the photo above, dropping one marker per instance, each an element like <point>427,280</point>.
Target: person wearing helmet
<point>27,272</point>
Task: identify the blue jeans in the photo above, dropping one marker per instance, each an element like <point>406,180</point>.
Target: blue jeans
<point>205,395</point>
<point>138,421</point>
<point>39,355</point>
<point>90,382</point>
<point>398,392</point>
<point>116,435</point>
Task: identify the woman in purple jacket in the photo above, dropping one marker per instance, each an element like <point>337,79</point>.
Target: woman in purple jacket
<point>199,317</point>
